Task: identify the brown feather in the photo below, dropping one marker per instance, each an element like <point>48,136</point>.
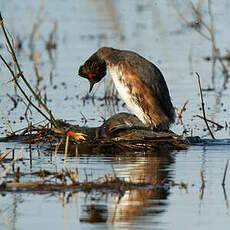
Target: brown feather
<point>143,96</point>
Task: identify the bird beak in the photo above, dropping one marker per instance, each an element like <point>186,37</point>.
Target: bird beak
<point>91,85</point>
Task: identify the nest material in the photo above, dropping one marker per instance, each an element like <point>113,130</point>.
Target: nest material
<point>122,132</point>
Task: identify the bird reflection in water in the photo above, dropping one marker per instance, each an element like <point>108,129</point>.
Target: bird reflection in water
<point>140,202</point>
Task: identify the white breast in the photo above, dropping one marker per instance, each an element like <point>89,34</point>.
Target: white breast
<point>124,92</point>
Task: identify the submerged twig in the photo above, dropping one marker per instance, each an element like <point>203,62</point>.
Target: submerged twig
<point>202,105</point>
<point>225,172</point>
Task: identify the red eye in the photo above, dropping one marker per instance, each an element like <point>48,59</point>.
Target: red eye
<point>90,75</point>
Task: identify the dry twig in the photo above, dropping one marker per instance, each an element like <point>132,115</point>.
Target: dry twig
<point>21,75</point>
<point>214,123</point>
<point>202,105</point>
<point>179,113</point>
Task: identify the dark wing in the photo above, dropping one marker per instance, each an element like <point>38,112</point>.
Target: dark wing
<point>151,76</point>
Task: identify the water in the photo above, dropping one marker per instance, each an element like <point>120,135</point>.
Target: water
<point>153,29</point>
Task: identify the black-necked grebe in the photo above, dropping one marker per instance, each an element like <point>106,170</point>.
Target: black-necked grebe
<point>139,82</point>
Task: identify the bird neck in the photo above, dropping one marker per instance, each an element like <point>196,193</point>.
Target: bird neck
<point>105,52</point>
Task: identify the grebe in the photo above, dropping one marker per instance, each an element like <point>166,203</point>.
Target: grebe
<point>139,82</point>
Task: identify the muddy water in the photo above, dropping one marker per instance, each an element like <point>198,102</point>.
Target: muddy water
<point>153,29</point>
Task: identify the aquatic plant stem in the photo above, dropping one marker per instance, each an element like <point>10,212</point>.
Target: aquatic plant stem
<point>202,105</point>
<point>66,151</point>
<point>21,75</point>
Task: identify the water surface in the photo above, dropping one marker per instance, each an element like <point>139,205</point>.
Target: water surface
<point>154,30</point>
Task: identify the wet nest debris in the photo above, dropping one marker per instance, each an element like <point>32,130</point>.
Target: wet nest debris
<point>108,138</point>
<point>106,184</point>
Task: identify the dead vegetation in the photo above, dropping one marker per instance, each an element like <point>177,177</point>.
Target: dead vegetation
<point>67,182</point>
<point>73,140</point>
<point>65,179</point>
<point>204,25</point>
<point>54,131</point>
<point>61,137</point>
<point>206,31</point>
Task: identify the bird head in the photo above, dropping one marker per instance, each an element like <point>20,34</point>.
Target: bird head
<point>94,69</point>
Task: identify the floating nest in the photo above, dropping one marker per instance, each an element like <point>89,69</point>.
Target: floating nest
<point>121,133</point>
